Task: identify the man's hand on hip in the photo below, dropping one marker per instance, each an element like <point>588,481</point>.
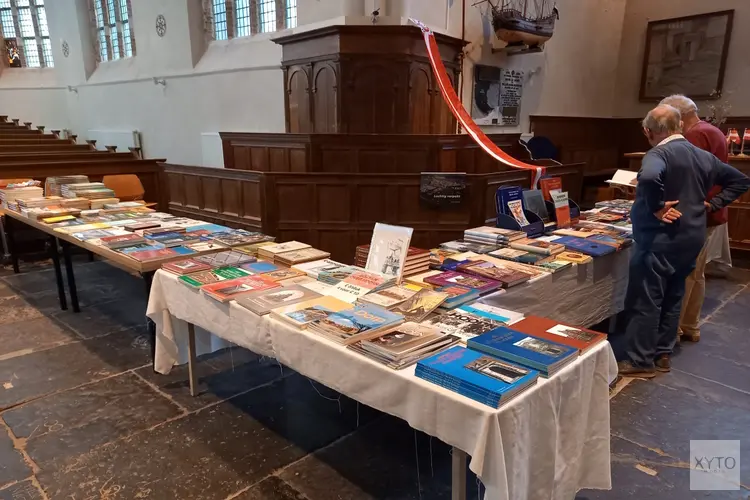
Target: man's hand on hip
<point>668,214</point>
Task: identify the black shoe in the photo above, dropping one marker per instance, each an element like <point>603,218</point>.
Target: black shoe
<point>663,363</point>
<point>626,369</point>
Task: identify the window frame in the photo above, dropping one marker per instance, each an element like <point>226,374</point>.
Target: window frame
<point>112,29</point>
<point>42,57</point>
<point>235,24</point>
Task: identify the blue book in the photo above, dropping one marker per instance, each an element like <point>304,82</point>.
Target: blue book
<point>511,203</point>
<point>457,295</point>
<point>476,375</point>
<point>211,228</point>
<point>491,312</point>
<point>183,250</point>
<point>586,247</point>
<point>525,350</point>
<point>141,247</point>
<point>259,267</point>
<point>452,264</point>
<point>354,324</point>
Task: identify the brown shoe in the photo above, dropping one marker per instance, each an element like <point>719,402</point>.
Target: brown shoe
<point>691,337</point>
<point>663,363</point>
<point>626,369</point>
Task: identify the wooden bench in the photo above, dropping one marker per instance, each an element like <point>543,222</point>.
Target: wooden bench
<point>63,156</point>
<point>44,148</point>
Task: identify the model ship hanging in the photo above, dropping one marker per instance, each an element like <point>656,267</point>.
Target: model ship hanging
<point>524,22</point>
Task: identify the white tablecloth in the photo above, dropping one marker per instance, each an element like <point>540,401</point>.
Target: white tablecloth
<point>546,444</point>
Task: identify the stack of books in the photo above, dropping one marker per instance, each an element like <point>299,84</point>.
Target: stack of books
<point>448,278</point>
<point>53,185</point>
<point>79,203</point>
<point>334,276</point>
<point>361,322</point>
<point>183,267</point>
<point>25,204</point>
<point>476,375</point>
<point>548,329</point>
<point>404,345</point>
<point>506,276</point>
<point>417,307</point>
<point>463,325</point>
<point>122,241</point>
<point>314,268</point>
<point>11,196</point>
<point>202,278</point>
<point>270,252</point>
<point>102,202</point>
<point>417,259</point>
<point>459,246</point>
<point>88,190</point>
<point>304,313</point>
<point>253,249</point>
<point>492,235</point>
<point>230,289</point>
<point>359,283</point>
<point>537,246</point>
<point>227,258</point>
<point>528,351</point>
<point>263,302</point>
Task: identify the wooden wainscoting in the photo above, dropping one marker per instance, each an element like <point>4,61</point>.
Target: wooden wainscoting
<point>337,211</point>
<point>364,153</point>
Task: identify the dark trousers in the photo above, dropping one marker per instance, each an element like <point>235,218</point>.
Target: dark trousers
<point>653,301</point>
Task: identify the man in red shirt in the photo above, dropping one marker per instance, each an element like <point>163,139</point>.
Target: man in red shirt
<point>711,139</point>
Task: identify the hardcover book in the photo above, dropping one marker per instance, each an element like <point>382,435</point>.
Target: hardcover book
<point>227,258</point>
<point>361,322</point>
<point>259,267</point>
<point>522,256</point>
<point>236,237</point>
<point>476,375</point>
<point>273,250</point>
<point>402,340</point>
<point>585,246</point>
<point>549,185</point>
<point>122,241</point>
<point>548,329</point>
<point>304,313</point>
<point>575,257</point>
<point>449,278</point>
<point>263,302</point>
<point>507,277</point>
<point>419,305</point>
<point>151,255</point>
<point>203,246</point>
<point>555,265</point>
<point>526,350</point>
<point>389,297</point>
<point>463,325</point>
<point>282,274</point>
<point>300,256</point>
<point>537,246</point>
<point>254,248</point>
<point>534,201</point>
<point>491,312</point>
<point>182,267</point>
<point>389,249</point>
<point>230,289</point>
<point>314,268</point>
<point>511,198</point>
<point>457,295</point>
<point>197,280</point>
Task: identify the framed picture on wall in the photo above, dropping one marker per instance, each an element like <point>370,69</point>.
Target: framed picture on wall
<point>686,55</point>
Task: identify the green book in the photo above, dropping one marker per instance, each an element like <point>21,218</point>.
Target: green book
<point>197,280</point>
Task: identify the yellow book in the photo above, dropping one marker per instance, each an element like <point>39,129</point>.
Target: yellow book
<point>575,257</point>
<point>61,218</point>
<point>304,313</point>
<point>80,229</point>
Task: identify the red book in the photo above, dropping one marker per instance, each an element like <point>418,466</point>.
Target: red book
<point>550,184</point>
<point>450,278</point>
<point>225,291</point>
<point>122,241</point>
<point>188,266</point>
<point>149,255</point>
<point>548,329</point>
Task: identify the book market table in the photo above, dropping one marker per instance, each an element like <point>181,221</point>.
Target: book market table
<point>548,442</point>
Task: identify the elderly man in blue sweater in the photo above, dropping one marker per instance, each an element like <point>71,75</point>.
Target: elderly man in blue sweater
<point>669,228</point>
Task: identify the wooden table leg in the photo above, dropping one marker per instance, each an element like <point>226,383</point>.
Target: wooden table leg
<point>9,229</point>
<point>192,376</point>
<point>71,276</point>
<point>58,272</point>
<point>458,483</point>
<point>148,280</point>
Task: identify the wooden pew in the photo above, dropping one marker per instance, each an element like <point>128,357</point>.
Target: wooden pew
<point>62,156</point>
<point>39,139</point>
<point>39,161</point>
<point>11,133</point>
<point>44,148</point>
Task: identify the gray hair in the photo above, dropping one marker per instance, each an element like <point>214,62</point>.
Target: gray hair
<point>663,119</point>
<point>684,105</point>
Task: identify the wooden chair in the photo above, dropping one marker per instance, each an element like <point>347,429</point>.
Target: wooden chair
<point>127,187</point>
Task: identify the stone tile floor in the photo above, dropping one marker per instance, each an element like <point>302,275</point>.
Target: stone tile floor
<point>83,415</point>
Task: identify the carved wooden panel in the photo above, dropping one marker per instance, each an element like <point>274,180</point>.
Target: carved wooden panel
<point>325,99</point>
<point>298,90</point>
<point>373,97</point>
<point>420,100</point>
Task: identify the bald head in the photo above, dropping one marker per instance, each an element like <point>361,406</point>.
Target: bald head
<point>661,122</point>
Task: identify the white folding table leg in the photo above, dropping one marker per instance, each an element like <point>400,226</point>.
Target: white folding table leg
<point>191,360</point>
<point>458,483</point>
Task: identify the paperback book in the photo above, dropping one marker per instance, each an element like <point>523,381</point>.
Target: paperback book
<point>418,306</point>
<point>230,289</point>
<point>361,322</point>
<point>264,301</point>
<point>478,283</point>
<point>182,267</point>
<point>389,297</point>
<point>468,246</point>
<point>271,251</point>
<point>537,246</point>
<point>457,296</point>
<point>419,279</point>
<point>201,278</point>
<point>584,246</point>
<point>299,256</point>
<point>548,329</point>
<point>283,274</point>
<point>574,257</point>
<point>404,345</point>
<point>151,255</point>
<point>481,377</point>
<point>389,249</point>
<point>462,324</point>
<point>226,258</point>
<point>507,277</point>
<point>314,268</point>
<point>491,312</point>
<point>306,312</point>
<point>517,347</point>
<point>356,285</point>
<point>259,267</point>
<point>511,199</point>
<point>550,185</point>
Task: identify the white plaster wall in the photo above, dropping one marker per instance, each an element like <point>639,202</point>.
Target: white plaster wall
<point>637,16</point>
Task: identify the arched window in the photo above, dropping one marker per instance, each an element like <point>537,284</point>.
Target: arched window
<point>114,36</point>
<point>238,18</point>
<point>23,25</point>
